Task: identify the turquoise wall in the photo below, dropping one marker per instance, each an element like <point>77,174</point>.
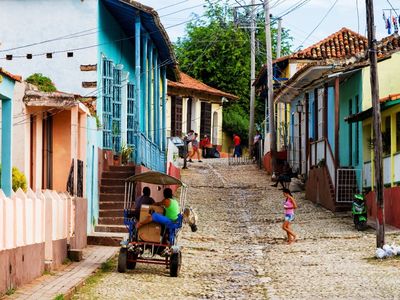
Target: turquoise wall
<point>349,90</point>
<point>311,105</point>
<point>6,96</point>
<point>92,190</point>
<point>114,45</point>
<point>331,118</point>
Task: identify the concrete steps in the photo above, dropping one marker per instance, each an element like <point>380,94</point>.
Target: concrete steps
<point>111,230</point>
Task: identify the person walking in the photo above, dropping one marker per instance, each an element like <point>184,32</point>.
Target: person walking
<point>289,206</point>
<point>256,145</point>
<point>195,149</point>
<point>238,148</point>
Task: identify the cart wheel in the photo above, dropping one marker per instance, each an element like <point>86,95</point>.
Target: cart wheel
<point>175,264</point>
<point>131,265</point>
<point>122,260</point>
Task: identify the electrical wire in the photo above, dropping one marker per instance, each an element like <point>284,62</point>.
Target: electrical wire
<point>319,23</point>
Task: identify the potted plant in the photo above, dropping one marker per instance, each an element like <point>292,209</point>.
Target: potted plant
<point>126,153</point>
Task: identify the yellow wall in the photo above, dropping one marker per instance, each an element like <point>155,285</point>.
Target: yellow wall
<point>389,79</point>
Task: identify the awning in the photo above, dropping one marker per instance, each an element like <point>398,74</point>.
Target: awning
<point>153,177</point>
<point>361,116</point>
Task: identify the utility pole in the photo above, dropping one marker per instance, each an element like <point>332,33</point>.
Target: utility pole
<point>270,99</point>
<point>378,166</point>
<point>252,72</point>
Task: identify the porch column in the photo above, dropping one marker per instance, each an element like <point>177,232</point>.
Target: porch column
<point>38,153</point>
<point>137,87</point>
<point>83,155</point>
<point>393,145</point>
<point>74,145</point>
<point>6,146</point>
<point>157,124</point>
<point>164,107</point>
<point>150,91</point>
<point>337,111</point>
<point>306,131</point>
<point>144,81</point>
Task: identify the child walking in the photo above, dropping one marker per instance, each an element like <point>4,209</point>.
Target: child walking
<point>289,205</point>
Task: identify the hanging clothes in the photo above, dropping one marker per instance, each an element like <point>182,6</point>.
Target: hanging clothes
<point>389,26</point>
<point>395,24</point>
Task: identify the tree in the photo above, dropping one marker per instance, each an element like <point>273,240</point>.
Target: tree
<point>217,52</point>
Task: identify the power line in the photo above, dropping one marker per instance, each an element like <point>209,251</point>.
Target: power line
<point>320,22</point>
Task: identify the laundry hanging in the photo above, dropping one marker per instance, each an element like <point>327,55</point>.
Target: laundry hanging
<point>395,24</point>
<point>389,26</point>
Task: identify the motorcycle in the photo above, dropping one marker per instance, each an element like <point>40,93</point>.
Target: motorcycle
<point>359,211</point>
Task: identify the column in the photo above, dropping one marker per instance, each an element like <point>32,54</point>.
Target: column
<point>6,147</point>
<point>337,99</point>
<point>140,110</point>
<point>393,147</point>
<point>164,108</point>
<point>39,153</point>
<point>150,91</point>
<point>157,124</point>
<point>144,80</point>
<point>74,145</point>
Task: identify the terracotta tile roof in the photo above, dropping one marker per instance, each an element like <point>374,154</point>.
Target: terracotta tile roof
<point>341,44</point>
<point>12,76</point>
<point>189,83</point>
<point>390,97</point>
<point>388,45</point>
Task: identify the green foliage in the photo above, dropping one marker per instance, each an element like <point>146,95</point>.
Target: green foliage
<point>18,180</point>
<point>43,83</point>
<point>59,297</point>
<point>126,153</point>
<point>11,291</point>
<point>216,52</point>
<point>236,121</point>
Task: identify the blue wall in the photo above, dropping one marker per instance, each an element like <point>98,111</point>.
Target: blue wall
<point>92,191</point>
<point>349,90</point>
<point>6,96</point>
<point>331,118</point>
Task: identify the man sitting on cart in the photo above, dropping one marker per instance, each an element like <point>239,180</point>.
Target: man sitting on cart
<point>144,199</point>
<point>172,210</point>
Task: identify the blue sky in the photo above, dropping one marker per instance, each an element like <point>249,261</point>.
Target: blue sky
<point>300,22</point>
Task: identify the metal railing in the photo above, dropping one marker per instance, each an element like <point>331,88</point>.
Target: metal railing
<point>151,156</point>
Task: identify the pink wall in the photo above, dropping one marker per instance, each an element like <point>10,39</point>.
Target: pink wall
<point>79,241</point>
<point>20,265</point>
<point>392,206</point>
<point>61,150</point>
<point>156,191</point>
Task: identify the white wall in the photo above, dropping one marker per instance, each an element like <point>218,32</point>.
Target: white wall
<point>25,22</point>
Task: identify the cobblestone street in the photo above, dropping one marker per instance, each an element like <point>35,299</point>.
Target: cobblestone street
<point>239,251</point>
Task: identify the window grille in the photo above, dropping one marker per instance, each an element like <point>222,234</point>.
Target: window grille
<point>131,113</point>
<point>116,109</point>
<point>107,102</point>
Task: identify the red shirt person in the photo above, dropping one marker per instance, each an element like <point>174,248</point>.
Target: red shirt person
<point>238,149</point>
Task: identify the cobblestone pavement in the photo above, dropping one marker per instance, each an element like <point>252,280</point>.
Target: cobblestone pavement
<point>239,251</point>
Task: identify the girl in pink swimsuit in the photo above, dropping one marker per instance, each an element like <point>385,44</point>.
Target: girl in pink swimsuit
<point>289,205</point>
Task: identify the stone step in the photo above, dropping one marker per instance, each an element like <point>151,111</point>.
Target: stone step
<point>123,169</point>
<point>111,228</point>
<point>104,205</point>
<point>113,181</point>
<point>116,174</point>
<point>111,220</point>
<point>106,238</point>
<point>112,189</point>
<point>114,197</point>
<point>111,213</point>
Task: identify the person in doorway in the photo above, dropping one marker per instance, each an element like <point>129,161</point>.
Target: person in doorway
<point>238,148</point>
<point>195,149</point>
<point>289,206</point>
<point>204,145</point>
<point>144,199</point>
<point>171,207</point>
